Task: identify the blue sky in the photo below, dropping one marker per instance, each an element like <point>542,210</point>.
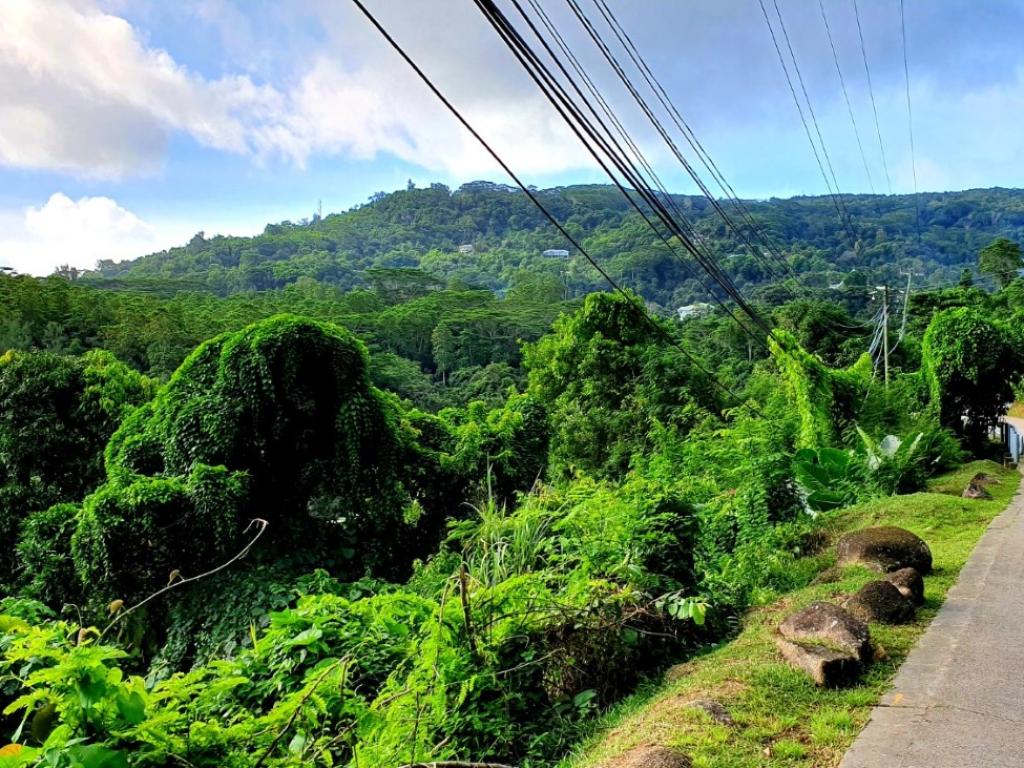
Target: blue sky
<point>128,125</point>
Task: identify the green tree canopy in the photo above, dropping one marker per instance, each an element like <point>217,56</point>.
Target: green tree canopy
<point>607,377</point>
<point>56,415</point>
<point>970,362</point>
<point>276,421</point>
<point>1002,260</point>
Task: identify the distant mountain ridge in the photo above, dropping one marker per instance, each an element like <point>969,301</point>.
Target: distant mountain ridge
<point>482,234</point>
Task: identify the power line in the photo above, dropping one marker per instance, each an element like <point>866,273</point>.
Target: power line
<point>871,93</point>
<point>684,128</point>
<point>620,129</point>
<point>803,119</point>
<point>589,136</point>
<point>549,86</point>
<point>649,113</point>
<point>810,107</point>
<point>910,121</point>
<point>535,200</point>
<point>566,107</point>
<point>846,95</point>
<point>654,84</point>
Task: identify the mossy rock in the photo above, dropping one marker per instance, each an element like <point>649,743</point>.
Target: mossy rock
<point>882,602</point>
<point>886,549</point>
<point>910,584</point>
<point>827,667</point>
<point>828,625</point>
<point>828,576</point>
<point>984,479</point>
<point>976,490</point>
<point>714,709</point>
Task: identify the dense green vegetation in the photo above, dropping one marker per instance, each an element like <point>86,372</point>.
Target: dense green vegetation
<point>424,229</point>
<point>778,716</point>
<point>383,514</point>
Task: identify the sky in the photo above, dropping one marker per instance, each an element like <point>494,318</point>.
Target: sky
<point>126,126</point>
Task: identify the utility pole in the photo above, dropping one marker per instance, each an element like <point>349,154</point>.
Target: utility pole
<point>885,331</point>
<point>906,304</point>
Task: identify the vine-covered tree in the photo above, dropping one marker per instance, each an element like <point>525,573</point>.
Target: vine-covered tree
<point>971,362</point>
<point>607,377</point>
<point>286,406</point>
<point>1002,260</point>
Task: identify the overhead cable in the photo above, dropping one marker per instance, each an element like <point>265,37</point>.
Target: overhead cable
<point>535,200</point>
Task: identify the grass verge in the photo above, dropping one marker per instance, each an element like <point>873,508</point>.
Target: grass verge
<point>779,717</point>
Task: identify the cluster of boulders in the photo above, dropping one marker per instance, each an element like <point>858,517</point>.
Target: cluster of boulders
<point>832,643</point>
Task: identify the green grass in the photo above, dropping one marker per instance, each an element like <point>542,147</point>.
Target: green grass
<point>1017,410</point>
<point>780,717</point>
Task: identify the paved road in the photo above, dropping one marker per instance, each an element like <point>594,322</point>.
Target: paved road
<point>958,700</point>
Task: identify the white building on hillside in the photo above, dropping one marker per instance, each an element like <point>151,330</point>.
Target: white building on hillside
<point>690,311</point>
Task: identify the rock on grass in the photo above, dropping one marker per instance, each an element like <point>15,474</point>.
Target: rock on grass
<point>713,709</point>
<point>881,601</point>
<point>910,584</point>
<point>651,757</point>
<point>886,548</point>
<point>829,625</point>
<point>826,667</point>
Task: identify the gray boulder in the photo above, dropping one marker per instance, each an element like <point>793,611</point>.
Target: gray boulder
<point>910,584</point>
<point>981,478</point>
<point>976,490</point>
<point>881,601</point>
<point>885,549</point>
<point>826,667</point>
<point>828,625</point>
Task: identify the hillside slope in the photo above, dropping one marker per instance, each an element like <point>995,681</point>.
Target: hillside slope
<point>500,232</point>
<point>778,717</point>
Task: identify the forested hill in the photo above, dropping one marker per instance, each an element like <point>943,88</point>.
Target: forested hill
<point>482,234</point>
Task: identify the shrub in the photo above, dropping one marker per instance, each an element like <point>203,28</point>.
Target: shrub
<point>503,449</point>
<point>606,377</point>
<point>130,538</point>
<point>44,551</point>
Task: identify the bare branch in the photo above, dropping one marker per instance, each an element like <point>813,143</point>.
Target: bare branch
<point>260,525</point>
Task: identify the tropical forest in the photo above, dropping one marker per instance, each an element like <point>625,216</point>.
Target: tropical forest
<point>511,384</point>
<point>392,486</point>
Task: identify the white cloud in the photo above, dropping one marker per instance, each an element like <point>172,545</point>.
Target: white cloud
<point>78,233</point>
<point>362,113</point>
<point>81,93</point>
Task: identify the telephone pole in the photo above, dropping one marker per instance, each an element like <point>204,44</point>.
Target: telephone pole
<point>885,331</point>
<point>884,320</point>
<point>906,304</point>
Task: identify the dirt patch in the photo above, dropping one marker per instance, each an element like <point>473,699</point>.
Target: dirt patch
<point>649,756</point>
